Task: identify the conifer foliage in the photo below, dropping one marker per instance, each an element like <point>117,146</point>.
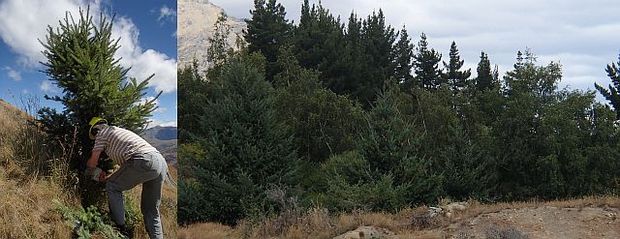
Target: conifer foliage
<point>484,80</point>
<point>404,60</point>
<point>80,61</point>
<point>611,94</point>
<point>237,149</point>
<point>454,76</point>
<point>426,66</point>
<point>267,31</point>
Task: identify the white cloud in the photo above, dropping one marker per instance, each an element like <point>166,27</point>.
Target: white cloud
<point>144,63</point>
<point>12,73</point>
<point>161,110</point>
<point>47,87</point>
<point>169,124</point>
<point>24,22</point>
<point>146,99</point>
<point>166,13</point>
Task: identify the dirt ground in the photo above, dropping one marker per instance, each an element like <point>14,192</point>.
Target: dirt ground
<point>543,222</point>
<point>587,218</point>
<point>538,221</point>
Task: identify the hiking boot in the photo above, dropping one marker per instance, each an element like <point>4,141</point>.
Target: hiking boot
<point>126,231</point>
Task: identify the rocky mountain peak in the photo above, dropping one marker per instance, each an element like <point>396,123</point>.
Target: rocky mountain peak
<point>195,24</point>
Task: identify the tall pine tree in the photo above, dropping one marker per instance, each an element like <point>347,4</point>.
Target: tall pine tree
<point>454,76</point>
<point>484,80</point>
<point>612,94</point>
<point>319,43</point>
<point>374,48</point>
<point>354,57</point>
<point>403,59</point>
<point>267,31</point>
<point>219,48</point>
<point>426,66</point>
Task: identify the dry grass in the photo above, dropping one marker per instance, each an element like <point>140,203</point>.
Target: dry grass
<point>26,210</point>
<point>475,208</point>
<point>208,231</point>
<point>10,126</point>
<point>318,223</point>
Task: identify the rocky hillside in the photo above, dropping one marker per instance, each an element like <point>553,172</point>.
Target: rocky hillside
<point>165,140</point>
<point>195,24</point>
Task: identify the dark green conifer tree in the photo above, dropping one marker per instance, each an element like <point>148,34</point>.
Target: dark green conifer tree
<point>484,79</point>
<point>369,57</point>
<point>319,43</point>
<point>267,30</point>
<point>403,59</point>
<point>428,75</point>
<point>238,149</point>
<point>354,57</point>
<point>454,76</point>
<point>219,48</point>
<point>80,61</point>
<point>612,94</point>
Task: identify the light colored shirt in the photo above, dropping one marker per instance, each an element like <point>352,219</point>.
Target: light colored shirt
<point>120,144</point>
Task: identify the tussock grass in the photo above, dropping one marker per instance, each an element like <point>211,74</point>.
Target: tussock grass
<point>26,210</point>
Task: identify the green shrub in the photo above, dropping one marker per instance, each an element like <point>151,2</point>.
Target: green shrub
<point>86,222</point>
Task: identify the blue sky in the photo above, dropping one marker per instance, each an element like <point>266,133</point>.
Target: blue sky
<point>148,44</point>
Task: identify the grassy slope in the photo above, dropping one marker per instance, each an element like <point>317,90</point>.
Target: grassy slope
<point>26,208</point>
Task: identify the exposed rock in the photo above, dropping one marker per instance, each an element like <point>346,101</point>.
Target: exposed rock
<point>455,206</point>
<point>195,24</point>
<point>367,232</point>
<point>434,211</point>
<point>451,208</point>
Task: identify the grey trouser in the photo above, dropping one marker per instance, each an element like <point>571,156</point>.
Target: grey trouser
<point>148,169</point>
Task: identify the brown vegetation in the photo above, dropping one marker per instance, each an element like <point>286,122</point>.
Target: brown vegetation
<point>26,210</point>
<point>318,223</point>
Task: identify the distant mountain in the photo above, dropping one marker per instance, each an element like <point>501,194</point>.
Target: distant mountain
<point>195,24</point>
<point>165,140</point>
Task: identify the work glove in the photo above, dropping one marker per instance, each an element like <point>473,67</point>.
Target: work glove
<point>95,174</point>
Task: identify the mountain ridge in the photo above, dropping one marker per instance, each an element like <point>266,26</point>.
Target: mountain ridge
<point>164,139</point>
